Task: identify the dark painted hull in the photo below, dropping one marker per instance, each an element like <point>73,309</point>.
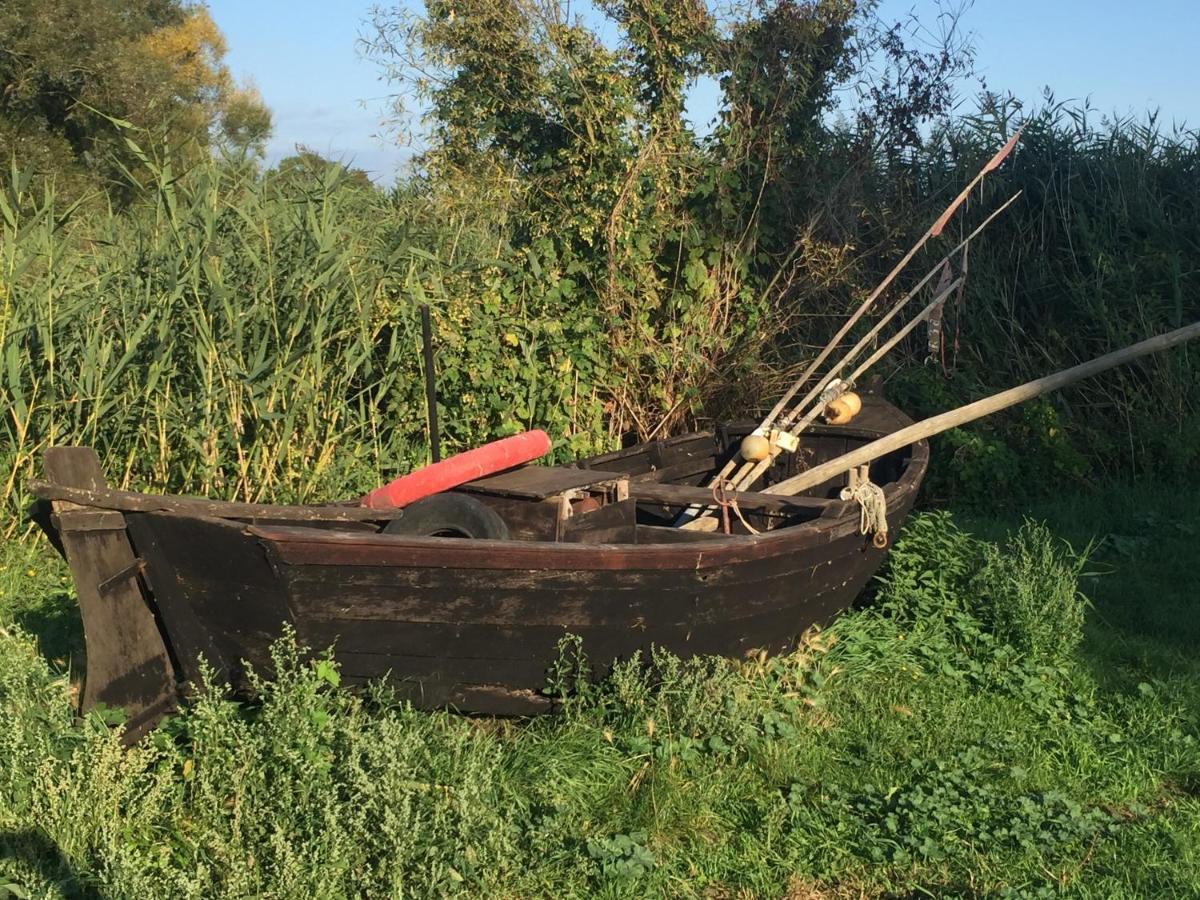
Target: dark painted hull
<point>476,625</point>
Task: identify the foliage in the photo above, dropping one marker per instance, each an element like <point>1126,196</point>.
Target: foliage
<point>1030,592</point>
<point>1092,257</point>
<point>300,376</point>
<point>682,249</point>
<point>888,755</point>
<point>69,67</point>
<point>1023,593</point>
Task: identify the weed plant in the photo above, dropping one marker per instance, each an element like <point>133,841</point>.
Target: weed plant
<point>942,740</point>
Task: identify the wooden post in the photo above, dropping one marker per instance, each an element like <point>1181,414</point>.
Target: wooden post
<point>977,410</point>
<point>435,441</point>
<point>127,661</point>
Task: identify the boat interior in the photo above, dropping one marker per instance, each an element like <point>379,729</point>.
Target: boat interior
<point>636,495</point>
<point>629,496</point>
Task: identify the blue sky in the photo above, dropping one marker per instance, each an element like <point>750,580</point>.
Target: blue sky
<point>1125,56</point>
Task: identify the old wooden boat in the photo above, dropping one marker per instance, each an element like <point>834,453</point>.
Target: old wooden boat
<point>166,581</point>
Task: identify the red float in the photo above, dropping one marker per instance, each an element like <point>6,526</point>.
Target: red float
<point>441,476</point>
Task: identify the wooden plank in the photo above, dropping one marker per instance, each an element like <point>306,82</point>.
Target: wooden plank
<point>215,589</point>
<point>681,471</point>
<point>483,652</point>
<point>131,501</point>
<point>528,674</point>
<point>642,458</point>
<point>76,519</point>
<point>526,520</point>
<point>668,534</point>
<point>305,546</point>
<point>612,523</point>
<point>683,495</point>
<point>127,661</point>
<point>621,600</point>
<point>540,482</point>
<point>115,581</point>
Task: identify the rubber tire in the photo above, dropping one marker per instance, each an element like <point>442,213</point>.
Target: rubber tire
<point>453,515</point>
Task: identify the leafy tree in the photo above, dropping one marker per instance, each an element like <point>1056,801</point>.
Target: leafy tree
<point>69,69</point>
<point>308,166</point>
<point>684,247</point>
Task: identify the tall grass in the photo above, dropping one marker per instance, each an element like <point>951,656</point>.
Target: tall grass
<point>224,337</point>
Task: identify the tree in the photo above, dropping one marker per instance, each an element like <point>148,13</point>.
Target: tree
<point>70,68</point>
<point>686,249</point>
<point>306,166</point>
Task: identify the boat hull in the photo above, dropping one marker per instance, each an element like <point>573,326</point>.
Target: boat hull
<point>480,629</point>
<point>475,625</point>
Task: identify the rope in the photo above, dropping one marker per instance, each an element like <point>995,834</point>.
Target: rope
<point>721,497</point>
<point>872,509</point>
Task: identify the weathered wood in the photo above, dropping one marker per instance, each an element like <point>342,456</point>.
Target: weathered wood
<point>527,520</point>
<point>129,573</point>
<point>614,523</point>
<point>127,661</point>
<point>934,425</point>
<point>131,501</point>
<point>681,495</point>
<point>215,589</point>
<point>681,471</point>
<point>540,482</point>
<point>668,534</point>
<point>77,519</point>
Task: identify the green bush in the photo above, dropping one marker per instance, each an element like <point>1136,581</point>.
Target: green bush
<point>1023,593</point>
<point>1029,595</point>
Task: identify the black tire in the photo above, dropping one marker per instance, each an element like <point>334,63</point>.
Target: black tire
<point>450,515</point>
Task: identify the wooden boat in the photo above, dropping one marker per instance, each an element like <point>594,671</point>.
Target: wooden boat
<point>472,624</point>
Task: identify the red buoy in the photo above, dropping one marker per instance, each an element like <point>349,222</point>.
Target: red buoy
<point>441,476</point>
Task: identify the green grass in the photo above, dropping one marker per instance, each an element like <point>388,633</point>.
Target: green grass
<point>932,744</point>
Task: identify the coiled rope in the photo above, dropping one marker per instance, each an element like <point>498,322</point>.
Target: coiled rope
<point>872,504</point>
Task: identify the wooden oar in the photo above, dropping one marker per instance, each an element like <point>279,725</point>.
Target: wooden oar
<point>870,336</point>
<point>977,410</point>
<point>751,472</point>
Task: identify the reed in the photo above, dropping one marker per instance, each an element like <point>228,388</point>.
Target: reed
<point>227,336</point>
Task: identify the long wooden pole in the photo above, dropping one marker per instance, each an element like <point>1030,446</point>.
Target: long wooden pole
<point>746,473</point>
<point>435,441</point>
<point>977,410</point>
<point>934,230</point>
<point>754,471</point>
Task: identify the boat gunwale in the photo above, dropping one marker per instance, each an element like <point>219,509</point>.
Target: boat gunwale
<point>715,550</point>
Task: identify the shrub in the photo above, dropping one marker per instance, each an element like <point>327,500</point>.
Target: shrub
<point>1023,592</point>
<point>1028,592</point>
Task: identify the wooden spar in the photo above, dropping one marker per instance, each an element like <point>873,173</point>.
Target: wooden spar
<point>980,408</point>
<point>750,472</point>
<point>748,477</point>
<point>934,231</point>
<point>899,305</point>
<point>746,474</point>
<point>435,443</point>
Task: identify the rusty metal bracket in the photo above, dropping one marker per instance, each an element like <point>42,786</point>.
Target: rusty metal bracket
<point>135,568</point>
